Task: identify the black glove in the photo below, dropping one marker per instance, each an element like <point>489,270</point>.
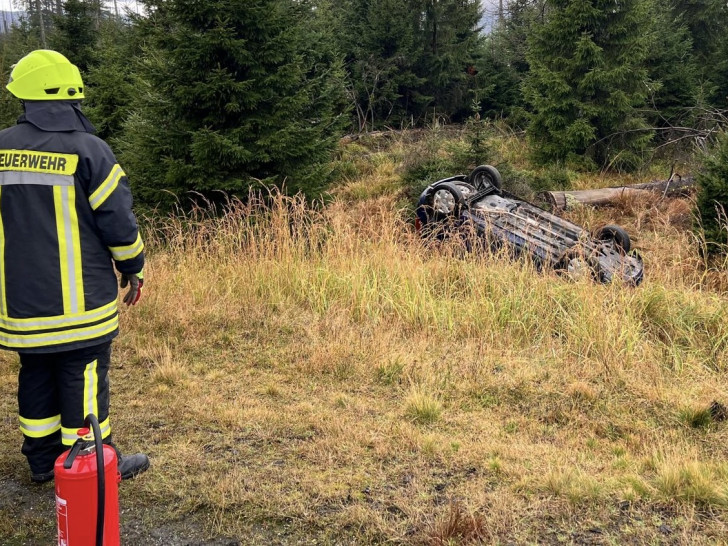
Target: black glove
<point>135,282</point>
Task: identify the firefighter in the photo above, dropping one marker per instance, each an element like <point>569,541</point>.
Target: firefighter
<point>65,222</point>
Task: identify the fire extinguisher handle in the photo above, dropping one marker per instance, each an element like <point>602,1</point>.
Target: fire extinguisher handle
<point>68,463</point>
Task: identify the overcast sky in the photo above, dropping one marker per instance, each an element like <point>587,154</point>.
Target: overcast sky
<point>490,6</point>
<point>133,5</point>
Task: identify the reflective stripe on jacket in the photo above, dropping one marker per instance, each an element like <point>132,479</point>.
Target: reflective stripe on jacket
<point>65,214</point>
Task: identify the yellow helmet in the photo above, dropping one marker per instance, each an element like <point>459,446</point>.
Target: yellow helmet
<point>44,74</point>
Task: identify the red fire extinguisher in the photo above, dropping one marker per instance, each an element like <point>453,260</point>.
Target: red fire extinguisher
<point>87,501</point>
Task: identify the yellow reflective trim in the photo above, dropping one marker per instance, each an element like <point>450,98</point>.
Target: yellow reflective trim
<point>39,422</point>
<point>59,203</point>
<point>39,433</point>
<point>3,301</point>
<point>105,427</point>
<point>106,188</point>
<point>16,178</point>
<point>58,321</point>
<point>38,162</point>
<point>90,389</point>
<point>69,248</point>
<point>80,303</point>
<point>129,251</point>
<point>70,435</point>
<point>40,428</point>
<point>55,338</point>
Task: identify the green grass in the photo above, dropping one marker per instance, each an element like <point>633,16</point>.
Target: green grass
<point>304,374</point>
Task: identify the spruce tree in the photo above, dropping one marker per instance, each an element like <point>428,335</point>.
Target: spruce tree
<point>75,33</point>
<point>503,64</point>
<point>712,200</point>
<point>43,15</point>
<point>673,71</point>
<point>706,22</point>
<point>409,59</point>
<point>232,93</point>
<point>381,48</point>
<point>721,75</point>
<point>112,83</point>
<point>21,40</point>
<point>586,83</point>
<point>452,45</point>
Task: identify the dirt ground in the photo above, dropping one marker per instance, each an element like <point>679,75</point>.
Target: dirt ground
<point>27,518</point>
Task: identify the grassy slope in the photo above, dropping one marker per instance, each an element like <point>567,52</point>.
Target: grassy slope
<point>307,376</point>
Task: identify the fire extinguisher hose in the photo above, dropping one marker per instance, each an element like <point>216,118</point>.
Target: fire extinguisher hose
<point>93,422</point>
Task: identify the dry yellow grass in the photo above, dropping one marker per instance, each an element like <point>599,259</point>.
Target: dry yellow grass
<point>312,375</point>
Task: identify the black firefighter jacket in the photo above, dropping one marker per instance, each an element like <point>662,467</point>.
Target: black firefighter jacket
<point>65,214</point>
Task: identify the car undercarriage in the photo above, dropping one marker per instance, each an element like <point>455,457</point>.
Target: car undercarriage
<point>476,204</point>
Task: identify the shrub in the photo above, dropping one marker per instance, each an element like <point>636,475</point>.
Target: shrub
<point>712,201</point>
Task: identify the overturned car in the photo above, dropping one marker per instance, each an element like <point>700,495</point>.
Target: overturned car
<point>476,205</point>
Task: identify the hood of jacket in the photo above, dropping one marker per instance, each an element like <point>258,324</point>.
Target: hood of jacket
<point>56,115</point>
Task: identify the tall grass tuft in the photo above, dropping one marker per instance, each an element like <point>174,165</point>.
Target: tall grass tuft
<point>458,526</point>
<point>357,378</point>
<point>423,407</point>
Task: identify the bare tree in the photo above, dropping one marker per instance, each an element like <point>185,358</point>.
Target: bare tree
<point>41,23</point>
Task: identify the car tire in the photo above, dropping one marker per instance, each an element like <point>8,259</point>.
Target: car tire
<point>446,202</point>
<point>617,234</point>
<point>485,175</point>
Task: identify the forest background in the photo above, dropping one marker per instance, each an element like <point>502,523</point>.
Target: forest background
<point>219,96</point>
<point>303,369</point>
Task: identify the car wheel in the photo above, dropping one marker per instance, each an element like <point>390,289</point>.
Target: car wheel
<point>439,210</point>
<point>484,176</point>
<point>617,234</point>
<point>447,200</point>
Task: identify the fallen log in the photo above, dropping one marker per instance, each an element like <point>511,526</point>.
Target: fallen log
<point>561,200</point>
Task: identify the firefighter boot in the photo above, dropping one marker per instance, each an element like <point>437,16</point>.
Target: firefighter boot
<point>132,465</point>
<point>128,465</point>
<point>41,477</point>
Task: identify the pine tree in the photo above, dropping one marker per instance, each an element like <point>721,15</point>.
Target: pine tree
<point>21,40</point>
<point>721,75</point>
<point>712,198</point>
<point>233,93</point>
<point>706,21</point>
<point>504,64</point>
<point>112,83</point>
<point>42,16</point>
<point>587,82</point>
<point>75,33</point>
<point>673,71</point>
<point>381,50</point>
<point>452,43</point>
<point>408,59</point>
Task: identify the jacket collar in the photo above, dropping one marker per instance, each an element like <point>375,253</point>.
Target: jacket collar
<point>56,115</point>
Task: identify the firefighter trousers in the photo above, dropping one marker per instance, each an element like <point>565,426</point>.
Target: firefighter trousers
<point>55,393</point>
